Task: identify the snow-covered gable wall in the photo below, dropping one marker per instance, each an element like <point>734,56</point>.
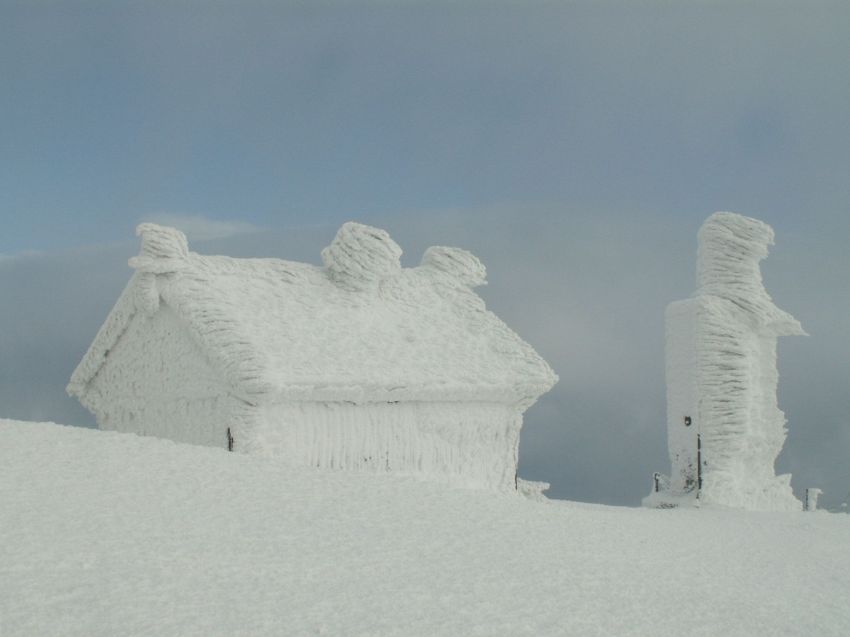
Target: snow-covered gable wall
<point>725,429</point>
<point>156,381</point>
<point>144,373</point>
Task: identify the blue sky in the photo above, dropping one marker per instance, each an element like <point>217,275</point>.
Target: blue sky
<point>576,147</point>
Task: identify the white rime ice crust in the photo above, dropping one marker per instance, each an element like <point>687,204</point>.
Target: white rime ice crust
<point>360,364</point>
<point>722,375</point>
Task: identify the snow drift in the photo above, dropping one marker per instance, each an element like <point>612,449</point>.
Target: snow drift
<point>105,534</point>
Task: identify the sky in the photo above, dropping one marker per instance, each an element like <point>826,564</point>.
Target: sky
<point>575,147</point>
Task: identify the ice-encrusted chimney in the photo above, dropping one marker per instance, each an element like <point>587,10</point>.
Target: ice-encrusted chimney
<point>360,256</point>
<point>458,265</point>
<point>163,250</point>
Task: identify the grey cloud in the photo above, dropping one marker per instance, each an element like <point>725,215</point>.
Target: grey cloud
<point>312,110</point>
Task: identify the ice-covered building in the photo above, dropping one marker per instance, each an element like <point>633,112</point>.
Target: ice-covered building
<point>360,364</point>
<point>724,427</point>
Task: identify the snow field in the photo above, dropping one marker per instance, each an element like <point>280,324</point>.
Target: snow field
<point>103,533</point>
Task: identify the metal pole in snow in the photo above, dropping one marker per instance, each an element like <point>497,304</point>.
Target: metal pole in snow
<point>699,464</point>
<point>811,502</point>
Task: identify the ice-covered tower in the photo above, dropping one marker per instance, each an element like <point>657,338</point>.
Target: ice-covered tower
<point>724,427</point>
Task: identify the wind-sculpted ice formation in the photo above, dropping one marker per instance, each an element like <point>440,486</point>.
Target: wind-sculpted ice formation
<point>458,265</point>
<point>724,427</point>
<point>360,364</point>
<point>360,256</point>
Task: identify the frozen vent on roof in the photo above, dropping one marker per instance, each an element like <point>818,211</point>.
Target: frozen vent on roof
<point>360,256</point>
<point>462,266</point>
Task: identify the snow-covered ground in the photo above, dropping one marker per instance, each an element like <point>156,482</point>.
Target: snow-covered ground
<point>112,534</point>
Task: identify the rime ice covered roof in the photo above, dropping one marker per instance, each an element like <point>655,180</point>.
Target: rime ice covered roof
<point>361,328</point>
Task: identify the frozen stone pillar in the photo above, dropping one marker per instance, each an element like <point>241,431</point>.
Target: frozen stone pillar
<point>724,427</point>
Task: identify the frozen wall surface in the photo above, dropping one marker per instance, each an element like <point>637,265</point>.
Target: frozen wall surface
<point>471,445</point>
<point>724,427</point>
<point>157,382</point>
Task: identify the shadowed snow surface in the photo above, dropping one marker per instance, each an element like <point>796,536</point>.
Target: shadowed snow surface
<point>112,534</point>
